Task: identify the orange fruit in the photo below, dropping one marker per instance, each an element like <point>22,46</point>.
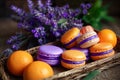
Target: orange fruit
<point>37,70</point>
<point>18,61</point>
<point>107,35</point>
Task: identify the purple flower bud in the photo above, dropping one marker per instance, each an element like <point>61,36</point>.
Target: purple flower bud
<point>82,5</point>
<point>15,46</point>
<point>40,41</point>
<point>33,31</point>
<point>48,3</point>
<point>30,5</point>
<point>36,35</point>
<point>12,39</point>
<point>19,11</point>
<point>57,34</point>
<point>85,7</point>
<point>85,11</point>
<point>88,5</point>
<point>65,15</point>
<point>9,41</point>
<point>40,4</point>
<point>20,25</point>
<point>66,6</point>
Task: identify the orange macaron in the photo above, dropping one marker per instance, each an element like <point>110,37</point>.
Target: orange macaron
<point>101,50</point>
<point>72,59</point>
<point>70,36</point>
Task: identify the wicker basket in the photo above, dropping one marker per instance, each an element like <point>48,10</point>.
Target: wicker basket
<point>64,74</point>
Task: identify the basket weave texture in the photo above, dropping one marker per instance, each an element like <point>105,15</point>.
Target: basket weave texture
<point>64,74</point>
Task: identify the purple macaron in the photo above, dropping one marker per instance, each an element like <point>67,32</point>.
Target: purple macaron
<point>84,50</point>
<point>50,54</point>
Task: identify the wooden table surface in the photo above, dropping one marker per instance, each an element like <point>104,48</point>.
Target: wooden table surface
<point>9,27</point>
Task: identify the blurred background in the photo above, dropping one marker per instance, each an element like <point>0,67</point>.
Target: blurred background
<point>114,9</point>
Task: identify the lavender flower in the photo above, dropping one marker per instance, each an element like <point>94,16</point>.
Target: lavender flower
<point>16,46</point>
<point>44,21</point>
<point>39,32</point>
<point>12,39</point>
<point>19,11</point>
<point>6,53</point>
<point>85,7</point>
<point>48,3</point>
<point>30,5</point>
<point>16,37</point>
<point>40,4</point>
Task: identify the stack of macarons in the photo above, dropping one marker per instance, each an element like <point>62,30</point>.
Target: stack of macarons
<point>81,46</point>
<point>85,38</point>
<point>91,41</point>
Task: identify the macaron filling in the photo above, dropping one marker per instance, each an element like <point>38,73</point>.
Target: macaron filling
<point>88,39</point>
<point>101,53</point>
<point>48,58</point>
<point>48,55</point>
<point>73,62</point>
<point>67,44</point>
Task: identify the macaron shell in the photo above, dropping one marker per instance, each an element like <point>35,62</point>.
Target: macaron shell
<point>84,50</point>
<point>50,50</point>
<point>70,66</point>
<point>88,43</point>
<point>103,56</point>
<point>69,35</point>
<point>72,44</point>
<point>86,29</point>
<point>73,55</point>
<point>101,47</point>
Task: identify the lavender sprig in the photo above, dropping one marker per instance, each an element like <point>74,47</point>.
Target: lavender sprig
<point>39,32</point>
<point>44,21</point>
<point>18,36</point>
<point>48,3</point>
<point>40,4</point>
<point>6,53</point>
<point>30,5</point>
<point>19,11</point>
<point>17,45</point>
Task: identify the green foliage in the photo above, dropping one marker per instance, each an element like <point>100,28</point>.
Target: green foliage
<point>97,13</point>
<point>92,75</point>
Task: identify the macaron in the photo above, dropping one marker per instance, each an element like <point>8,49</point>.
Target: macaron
<point>101,50</point>
<point>72,59</point>
<point>50,54</point>
<point>68,39</point>
<point>86,29</point>
<point>84,50</point>
<point>87,39</point>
